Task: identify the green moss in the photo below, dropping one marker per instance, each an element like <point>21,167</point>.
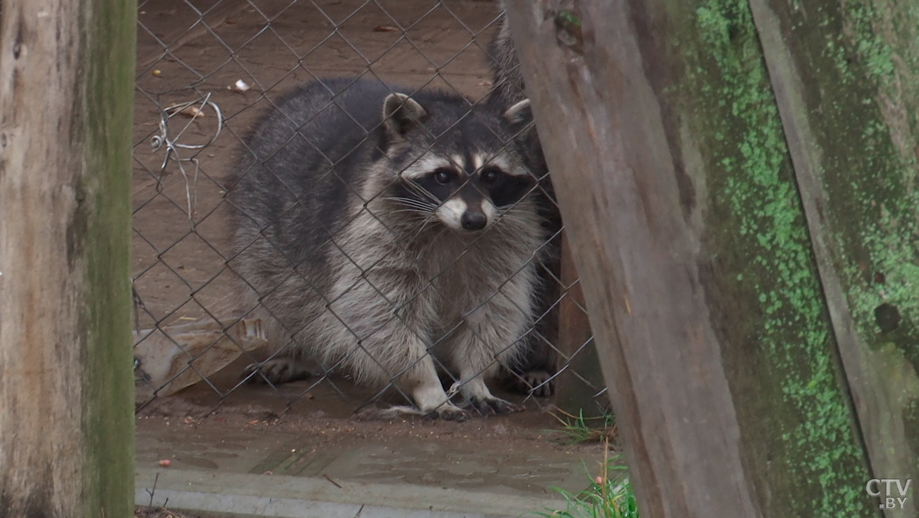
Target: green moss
<point>100,239</point>
<point>568,18</point>
<point>772,268</point>
<point>864,81</point>
<point>875,213</point>
<point>884,230</point>
<point>911,423</point>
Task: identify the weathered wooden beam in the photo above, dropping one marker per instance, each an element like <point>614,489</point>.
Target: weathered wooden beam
<point>846,87</point>
<point>674,180</point>
<point>66,388</point>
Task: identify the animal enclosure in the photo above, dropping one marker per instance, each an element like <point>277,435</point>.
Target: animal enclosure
<point>207,72</point>
<point>738,185</point>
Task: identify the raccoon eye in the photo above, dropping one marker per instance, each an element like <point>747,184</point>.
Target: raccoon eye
<point>443,176</point>
<point>491,175</point>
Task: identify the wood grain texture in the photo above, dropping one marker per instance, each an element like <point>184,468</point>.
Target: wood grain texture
<point>621,206</point>
<point>66,388</point>
<point>883,382</point>
<point>674,178</point>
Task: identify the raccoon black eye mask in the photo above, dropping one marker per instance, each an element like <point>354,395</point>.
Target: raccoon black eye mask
<point>472,202</point>
<point>389,231</point>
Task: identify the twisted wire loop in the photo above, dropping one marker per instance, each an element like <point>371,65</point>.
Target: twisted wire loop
<point>193,110</point>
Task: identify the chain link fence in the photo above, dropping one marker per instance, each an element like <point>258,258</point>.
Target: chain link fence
<point>268,253</point>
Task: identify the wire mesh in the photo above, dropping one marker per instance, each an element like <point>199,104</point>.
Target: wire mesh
<point>212,71</point>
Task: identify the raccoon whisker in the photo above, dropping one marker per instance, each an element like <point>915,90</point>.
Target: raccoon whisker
<point>423,210</point>
<point>517,214</point>
<point>421,206</point>
<point>541,218</point>
<point>412,208</point>
<point>427,198</point>
<point>508,216</point>
<point>402,199</point>
<point>428,220</point>
<point>409,210</point>
<point>410,226</point>
<point>512,220</point>
<point>414,187</point>
<point>432,244</point>
<point>411,202</point>
<point>425,225</point>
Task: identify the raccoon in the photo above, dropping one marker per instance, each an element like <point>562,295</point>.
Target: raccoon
<point>391,232</point>
<point>537,365</point>
<point>507,79</point>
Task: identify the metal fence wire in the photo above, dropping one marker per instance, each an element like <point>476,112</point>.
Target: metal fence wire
<point>346,198</point>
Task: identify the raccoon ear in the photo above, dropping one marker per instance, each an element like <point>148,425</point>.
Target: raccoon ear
<point>519,116</point>
<point>401,113</point>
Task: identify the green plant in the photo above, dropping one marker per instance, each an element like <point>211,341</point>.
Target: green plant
<point>577,428</point>
<point>606,496</point>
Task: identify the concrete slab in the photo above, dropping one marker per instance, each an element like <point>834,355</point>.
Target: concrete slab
<point>333,468</point>
<point>225,494</point>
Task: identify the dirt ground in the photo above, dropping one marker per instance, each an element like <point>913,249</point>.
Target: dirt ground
<point>179,260</point>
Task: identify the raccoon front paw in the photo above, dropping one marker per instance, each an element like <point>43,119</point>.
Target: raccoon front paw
<point>493,406</point>
<point>275,371</point>
<point>448,412</point>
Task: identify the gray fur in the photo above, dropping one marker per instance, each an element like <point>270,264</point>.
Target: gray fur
<point>347,258</point>
<point>538,364</point>
<point>505,67</point>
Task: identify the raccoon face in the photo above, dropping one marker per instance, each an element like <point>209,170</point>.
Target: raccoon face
<point>465,179</point>
<point>467,196</point>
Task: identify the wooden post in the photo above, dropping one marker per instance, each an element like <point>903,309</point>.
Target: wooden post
<point>846,116</point>
<point>66,387</point>
<point>676,187</point>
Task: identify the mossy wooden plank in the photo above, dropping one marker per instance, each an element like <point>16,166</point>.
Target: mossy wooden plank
<point>847,77</point>
<point>108,381</point>
<point>798,423</point>
<point>66,387</point>
<point>679,196</point>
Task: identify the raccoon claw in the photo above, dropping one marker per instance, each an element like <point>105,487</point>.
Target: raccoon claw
<point>448,413</point>
<point>250,374</point>
<point>539,383</point>
<point>275,372</point>
<point>494,406</point>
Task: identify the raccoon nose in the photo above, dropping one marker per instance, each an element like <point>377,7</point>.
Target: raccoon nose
<point>473,220</point>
